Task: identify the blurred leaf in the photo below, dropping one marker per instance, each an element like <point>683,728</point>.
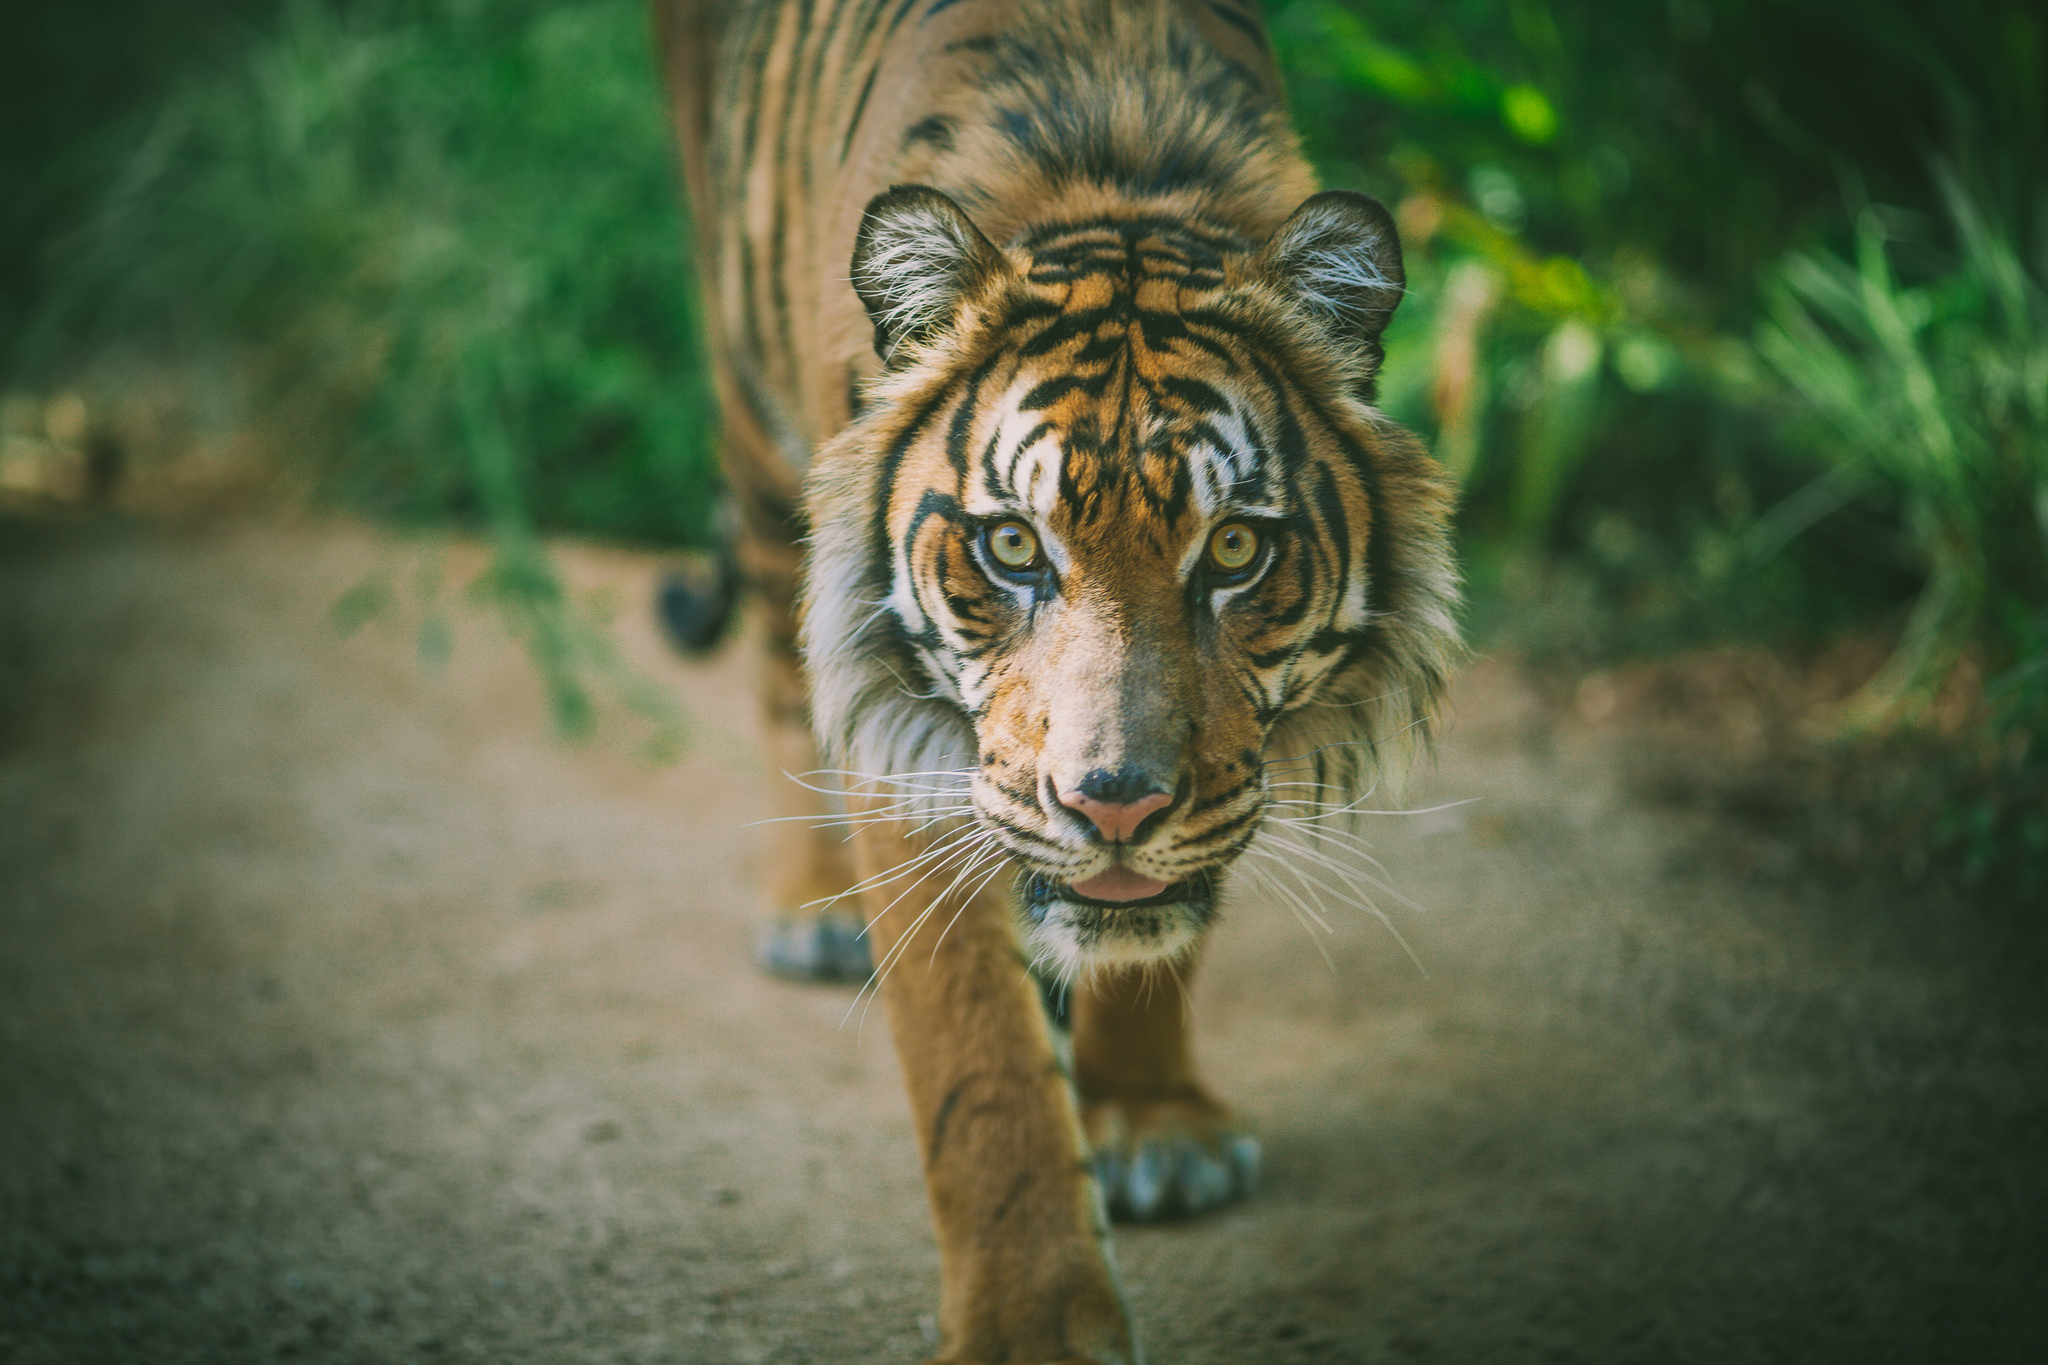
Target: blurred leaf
<point>1939,392</point>
<point>1554,433</point>
<point>360,604</point>
<point>1528,115</point>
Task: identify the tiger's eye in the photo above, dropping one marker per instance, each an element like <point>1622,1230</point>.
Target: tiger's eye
<point>1013,545</point>
<point>1232,547</point>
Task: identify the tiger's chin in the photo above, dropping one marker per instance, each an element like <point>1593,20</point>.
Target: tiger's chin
<point>1074,934</point>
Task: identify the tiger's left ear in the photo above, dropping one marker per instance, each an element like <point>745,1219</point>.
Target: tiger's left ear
<point>916,258</point>
<point>1339,257</point>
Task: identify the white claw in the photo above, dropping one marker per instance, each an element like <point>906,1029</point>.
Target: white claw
<point>1205,1181</point>
<point>1245,1155</point>
<point>1109,1180</point>
<point>1146,1183</point>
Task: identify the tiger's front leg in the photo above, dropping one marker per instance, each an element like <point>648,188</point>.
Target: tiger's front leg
<point>810,929</point>
<point>1025,1273</point>
<point>1163,1146</point>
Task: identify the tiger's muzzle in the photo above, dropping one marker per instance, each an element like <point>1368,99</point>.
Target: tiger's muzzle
<point>1131,894</point>
<point>1118,778</point>
<point>1074,931</point>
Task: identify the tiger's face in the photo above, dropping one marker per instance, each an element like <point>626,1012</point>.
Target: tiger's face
<point>1122,516</point>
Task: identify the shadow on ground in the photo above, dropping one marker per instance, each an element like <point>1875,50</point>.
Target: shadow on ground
<point>345,1016</point>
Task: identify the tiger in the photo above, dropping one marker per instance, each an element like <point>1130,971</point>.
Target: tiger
<point>1047,377</point>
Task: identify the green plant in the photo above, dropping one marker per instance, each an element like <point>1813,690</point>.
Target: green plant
<point>446,239</point>
<point>1937,394</point>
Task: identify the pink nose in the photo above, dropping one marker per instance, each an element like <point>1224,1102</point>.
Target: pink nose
<point>1115,821</point>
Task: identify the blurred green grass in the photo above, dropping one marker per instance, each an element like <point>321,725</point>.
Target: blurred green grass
<point>440,233</point>
<point>1726,313</point>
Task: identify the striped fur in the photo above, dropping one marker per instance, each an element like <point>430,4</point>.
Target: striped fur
<point>1057,263</point>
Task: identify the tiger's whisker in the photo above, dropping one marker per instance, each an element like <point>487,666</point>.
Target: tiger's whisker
<point>1323,859</point>
<point>1355,809</point>
<point>897,949</point>
<point>1363,901</point>
<point>1299,909</point>
<point>902,944</point>
<point>968,899</point>
<point>1345,850</point>
<point>883,878</point>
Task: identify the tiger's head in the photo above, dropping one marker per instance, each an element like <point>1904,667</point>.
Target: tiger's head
<point>1118,531</point>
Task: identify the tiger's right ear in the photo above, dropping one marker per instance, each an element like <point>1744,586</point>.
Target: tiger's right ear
<point>915,259</point>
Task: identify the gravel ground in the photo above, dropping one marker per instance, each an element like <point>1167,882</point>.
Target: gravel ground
<point>347,1016</point>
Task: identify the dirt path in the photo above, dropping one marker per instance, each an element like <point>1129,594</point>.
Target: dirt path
<point>346,1017</point>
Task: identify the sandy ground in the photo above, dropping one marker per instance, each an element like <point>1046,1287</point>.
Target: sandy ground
<point>346,1016</point>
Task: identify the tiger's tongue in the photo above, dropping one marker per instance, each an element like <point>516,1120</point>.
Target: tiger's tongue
<point>1119,884</point>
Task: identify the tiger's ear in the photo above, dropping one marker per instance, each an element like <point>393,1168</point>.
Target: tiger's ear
<point>1339,257</point>
<point>915,258</point>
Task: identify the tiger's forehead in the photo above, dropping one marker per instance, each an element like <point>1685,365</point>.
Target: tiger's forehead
<point>1097,463</point>
<point>1121,404</point>
<point>1129,252</point>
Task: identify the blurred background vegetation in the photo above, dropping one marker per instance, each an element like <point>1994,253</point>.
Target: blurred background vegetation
<point>1728,314</point>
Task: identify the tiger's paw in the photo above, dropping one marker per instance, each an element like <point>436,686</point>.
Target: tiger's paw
<point>828,948</point>
<point>1162,1159</point>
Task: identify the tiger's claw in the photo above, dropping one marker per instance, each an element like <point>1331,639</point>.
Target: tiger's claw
<point>1156,1164</point>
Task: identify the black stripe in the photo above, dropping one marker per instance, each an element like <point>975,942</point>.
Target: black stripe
<point>934,129</point>
<point>1215,799</point>
<point>815,82</point>
<point>860,107</point>
<point>1198,397</point>
<point>1031,438</point>
<point>1122,230</point>
<point>1328,500</point>
<point>962,424</point>
<point>1049,391</point>
<point>1230,826</point>
<point>882,553</point>
<point>870,15</point>
<point>1382,582</point>
<point>1243,23</point>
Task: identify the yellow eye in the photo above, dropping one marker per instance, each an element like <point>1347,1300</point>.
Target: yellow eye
<point>1232,547</point>
<point>1013,545</point>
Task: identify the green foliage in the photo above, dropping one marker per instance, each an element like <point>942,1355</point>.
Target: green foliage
<point>1621,178</point>
<point>387,206</point>
<point>446,236</point>
<point>1938,395</point>
<point>1678,414</point>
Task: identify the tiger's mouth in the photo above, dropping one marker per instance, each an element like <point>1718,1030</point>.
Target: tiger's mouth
<point>1040,890</point>
<point>1075,932</point>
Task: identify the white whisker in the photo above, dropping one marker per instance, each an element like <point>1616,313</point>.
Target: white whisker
<point>1365,902</point>
<point>902,944</point>
<point>1324,860</point>
<point>1002,856</point>
<point>952,840</point>
<point>1355,809</point>
<point>1298,908</point>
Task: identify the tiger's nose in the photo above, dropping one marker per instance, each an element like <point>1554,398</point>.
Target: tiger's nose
<point>1116,803</point>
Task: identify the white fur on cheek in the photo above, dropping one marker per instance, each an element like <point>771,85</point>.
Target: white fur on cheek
<point>868,716</point>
